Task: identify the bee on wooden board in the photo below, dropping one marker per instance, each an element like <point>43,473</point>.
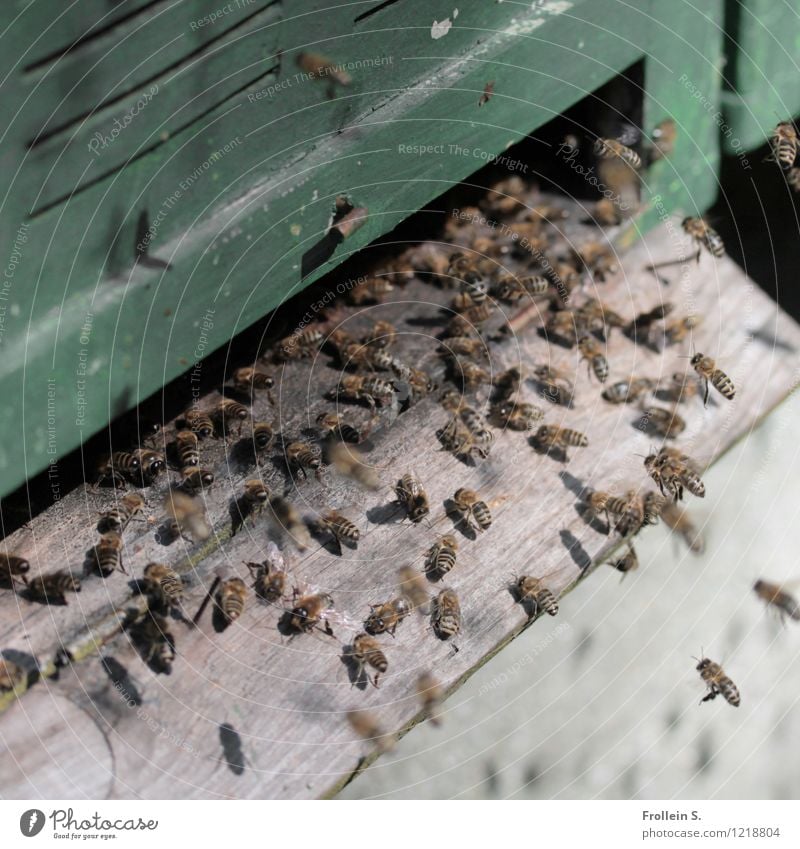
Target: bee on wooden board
<point>446,614</point>
<point>186,447</point>
<point>431,696</point>
<point>553,436</point>
<point>186,515</point>
<point>334,425</point>
<point>12,569</point>
<point>412,496</point>
<point>198,421</point>
<point>563,325</point>
<point>301,456</point>
<point>784,144</point>
<point>355,387</point>
<point>778,598</point>
<point>118,518</point>
<point>608,148</point>
<point>195,480</point>
<point>681,387</point>
<point>310,610</point>
<point>628,391</point>
<point>597,258</point>
<point>464,346</point>
<point>12,675</point>
<point>474,510</point>
<point>679,329</point>
<point>299,345</point>
<point>228,413</point>
<point>718,683</point>
<point>468,375</point>
<point>482,438</point>
<point>249,379</point>
<point>107,554</point>
<point>263,435</point>
<point>413,587</point>
<point>382,334</point>
<point>456,438</point>
<point>231,598</point>
<point>366,651</point>
<point>155,641</point>
<point>342,529</point>
<point>517,415</point>
<point>441,557</point>
<point>666,423</point>
<point>373,290</point>
<point>164,582</point>
<point>594,356</point>
<point>705,236</point>
<point>557,383</point>
<point>595,317</point>
<point>507,383</point>
<point>384,618</point>
<point>366,725</point>
<point>53,587</point>
<point>535,596</point>
<point>674,471</point>
<point>120,467</point>
<point>709,373</point>
<point>349,461</point>
<point>270,577</point>
<point>628,510</point>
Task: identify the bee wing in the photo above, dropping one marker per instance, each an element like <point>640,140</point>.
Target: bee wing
<point>274,556</point>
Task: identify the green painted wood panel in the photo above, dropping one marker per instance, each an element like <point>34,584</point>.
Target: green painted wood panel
<point>236,198</point>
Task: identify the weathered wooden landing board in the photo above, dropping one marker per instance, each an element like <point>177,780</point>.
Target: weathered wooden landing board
<point>77,734</point>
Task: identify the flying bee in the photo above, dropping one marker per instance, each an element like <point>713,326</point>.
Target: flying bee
<point>12,676</point>
<point>198,421</point>
<point>356,387</point>
<point>165,583</point>
<point>653,505</point>
<point>366,651</point>
<point>553,436</point>
<point>627,391</point>
<point>705,236</point>
<point>335,426</point>
<point>301,456</point>
<point>784,144</point>
<point>608,148</point>
<point>709,373</point>
<point>441,557</point>
<point>775,596</point>
<point>349,461</point>
<point>621,507</point>
<point>231,598</point>
<point>664,136</point>
<point>534,596</point>
<point>382,334</point>
<point>366,725</point>
<point>591,352</point>
<point>155,642</point>
<point>464,346</point>
<point>228,413</point>
<point>666,423</point>
<point>413,587</point>
<point>186,448</point>
<point>475,511</point>
<point>627,563</point>
<point>120,467</point>
<point>384,618</point>
<point>678,329</point>
<point>673,471</point>
<point>558,387</point>
<point>195,480</point>
<point>431,696</point>
<point>249,379</point>
<point>12,568</point>
<point>517,415</point>
<point>446,614</point>
<point>370,291</point>
<point>718,683</point>
<point>53,587</point>
<point>679,521</point>
<point>411,494</point>
<point>263,435</point>
<point>341,527</point>
<point>308,611</point>
<point>289,520</point>
<point>107,554</point>
<point>186,514</point>
<point>318,66</point>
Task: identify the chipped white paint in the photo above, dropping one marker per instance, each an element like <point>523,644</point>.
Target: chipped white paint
<point>554,7</point>
<point>441,28</point>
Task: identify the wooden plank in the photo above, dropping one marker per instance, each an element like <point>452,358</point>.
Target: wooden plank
<point>286,698</point>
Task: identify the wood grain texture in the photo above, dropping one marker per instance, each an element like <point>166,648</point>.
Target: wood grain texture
<point>286,697</point>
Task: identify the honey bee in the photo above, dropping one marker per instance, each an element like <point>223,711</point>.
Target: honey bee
<point>348,461</point>
<point>386,362</point>
<point>411,494</point>
<point>653,505</point>
<point>517,415</point>
<point>590,351</point>
<point>198,421</point>
<point>673,472</point>
<point>249,378</point>
<point>431,696</point>
<point>464,268</point>
<point>318,66</point>
<point>446,614</point>
<point>151,464</point>
<point>480,436</point>
<point>420,384</point>
<point>366,651</point>
<point>627,510</point>
<point>255,495</point>
<point>475,511</point>
<point>53,587</point>
<point>164,582</point>
<point>664,137</point>
<point>705,236</point>
<point>606,212</point>
<point>608,148</point>
<point>627,391</point>
<point>309,611</point>
<point>335,426</point>
<point>288,518</point>
<point>464,346</point>
<point>186,448</point>
<point>793,179</point>
<point>507,383</point>
<point>777,597</point>
<point>596,258</point>
<point>341,527</point>
<point>118,518</point>
<point>263,435</point>
<point>595,316</point>
<point>677,330</point>
<point>557,385</point>
<point>627,563</point>
<point>12,676</point>
<point>552,436</point>
<point>231,598</point>
<point>441,557</point>
<point>682,387</point>
<point>186,515</point>
<point>510,288</point>
<point>718,683</point>
<point>469,375</point>
<point>368,728</point>
<point>784,144</point>
<point>155,642</point>
<point>107,554</point>
<point>384,618</point>
<point>563,325</point>
<point>228,413</point>
<point>195,480</point>
<point>301,456</point>
<point>709,373</point>
<point>535,596</point>
<point>356,387</point>
<point>467,319</point>
<point>299,345</point>
<point>370,291</point>
<point>381,335</point>
<point>12,568</point>
<point>120,467</point>
<point>270,577</point>
<point>413,587</point>
<point>456,438</point>
<point>666,423</point>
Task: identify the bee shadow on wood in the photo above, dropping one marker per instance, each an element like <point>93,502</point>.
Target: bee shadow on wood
<point>219,621</point>
<point>576,486</point>
<point>327,540</point>
<point>357,673</point>
<point>643,339</point>
<point>166,534</point>
<point>122,681</point>
<point>576,551</point>
<point>232,749</point>
<point>591,519</point>
<point>391,513</point>
<point>561,397</point>
<point>555,339</point>
<point>768,338</point>
<point>240,510</point>
<point>26,662</point>
<point>459,520</point>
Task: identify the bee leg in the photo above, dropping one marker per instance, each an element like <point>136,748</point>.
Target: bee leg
<point>375,680</point>
<point>705,394</point>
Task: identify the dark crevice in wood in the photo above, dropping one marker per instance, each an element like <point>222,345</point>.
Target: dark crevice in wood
<point>370,12</point>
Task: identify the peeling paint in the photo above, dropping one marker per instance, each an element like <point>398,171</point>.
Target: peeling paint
<point>440,29</point>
